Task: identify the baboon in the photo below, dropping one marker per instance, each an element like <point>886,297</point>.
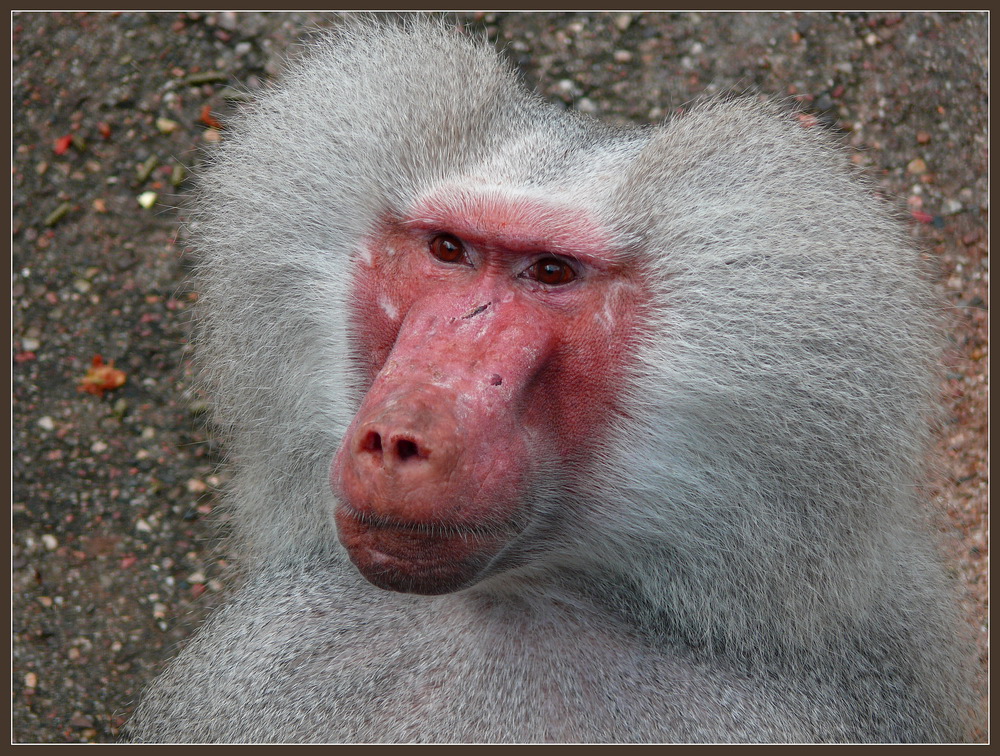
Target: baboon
<point>547,430</point>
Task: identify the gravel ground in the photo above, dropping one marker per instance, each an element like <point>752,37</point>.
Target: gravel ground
<point>115,558</point>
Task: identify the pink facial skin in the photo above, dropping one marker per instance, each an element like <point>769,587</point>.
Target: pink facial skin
<point>482,374</point>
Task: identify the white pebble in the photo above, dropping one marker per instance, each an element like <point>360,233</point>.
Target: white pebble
<point>950,207</point>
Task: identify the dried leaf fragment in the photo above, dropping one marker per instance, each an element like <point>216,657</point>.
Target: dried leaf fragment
<point>208,119</point>
<point>101,377</point>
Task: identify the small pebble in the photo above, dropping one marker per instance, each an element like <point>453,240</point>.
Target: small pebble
<point>177,174</point>
<point>227,20</point>
<point>566,86</point>
<point>81,720</point>
<point>916,166</point>
<point>167,126</point>
<point>58,214</point>
<point>145,170</point>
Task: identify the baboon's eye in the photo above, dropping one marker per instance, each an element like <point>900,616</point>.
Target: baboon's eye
<point>551,271</point>
<point>448,248</point>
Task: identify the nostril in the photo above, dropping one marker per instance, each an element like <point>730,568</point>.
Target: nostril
<point>400,448</point>
<point>407,449</point>
<point>372,442</point>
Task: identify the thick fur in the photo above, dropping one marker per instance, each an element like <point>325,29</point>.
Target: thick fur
<point>745,559</point>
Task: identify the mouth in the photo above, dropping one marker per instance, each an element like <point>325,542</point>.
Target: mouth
<point>416,557</point>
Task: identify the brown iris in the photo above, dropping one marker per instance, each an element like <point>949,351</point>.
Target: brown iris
<point>448,248</point>
<point>551,272</point>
